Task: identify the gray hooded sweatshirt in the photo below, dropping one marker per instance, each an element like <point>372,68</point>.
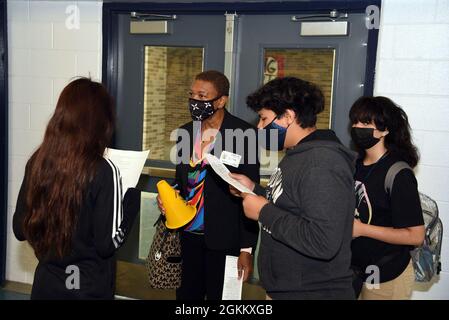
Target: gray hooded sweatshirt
<point>305,250</point>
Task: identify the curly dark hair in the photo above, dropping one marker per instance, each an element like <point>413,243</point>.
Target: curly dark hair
<point>280,94</point>
<point>386,115</point>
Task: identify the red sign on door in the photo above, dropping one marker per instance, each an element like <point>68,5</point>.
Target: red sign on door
<point>274,68</point>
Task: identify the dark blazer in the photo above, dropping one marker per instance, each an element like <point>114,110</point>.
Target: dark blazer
<point>225,224</point>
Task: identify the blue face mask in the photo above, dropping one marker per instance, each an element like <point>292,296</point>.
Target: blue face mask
<point>272,128</point>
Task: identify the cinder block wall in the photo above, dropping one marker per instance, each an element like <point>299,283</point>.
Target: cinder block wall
<point>413,70</point>
<point>44,54</point>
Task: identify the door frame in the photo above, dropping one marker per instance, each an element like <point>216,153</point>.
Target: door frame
<point>112,10</point>
<point>3,138</point>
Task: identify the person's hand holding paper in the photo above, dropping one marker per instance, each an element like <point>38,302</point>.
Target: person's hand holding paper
<point>252,205</point>
<point>242,179</point>
<point>243,186</point>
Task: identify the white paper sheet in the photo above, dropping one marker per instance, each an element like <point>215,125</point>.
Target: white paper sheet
<point>223,172</point>
<point>232,285</point>
<point>130,164</point>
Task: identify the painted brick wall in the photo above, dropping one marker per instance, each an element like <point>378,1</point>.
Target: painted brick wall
<point>413,70</point>
<point>43,56</point>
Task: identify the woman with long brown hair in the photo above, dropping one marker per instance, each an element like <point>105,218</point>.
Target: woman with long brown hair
<point>70,206</point>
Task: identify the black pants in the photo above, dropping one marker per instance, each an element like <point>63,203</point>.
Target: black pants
<point>202,269</point>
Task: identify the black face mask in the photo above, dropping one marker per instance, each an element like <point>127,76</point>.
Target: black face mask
<point>201,109</point>
<point>364,138</point>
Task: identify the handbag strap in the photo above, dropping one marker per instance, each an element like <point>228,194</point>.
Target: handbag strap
<point>159,219</point>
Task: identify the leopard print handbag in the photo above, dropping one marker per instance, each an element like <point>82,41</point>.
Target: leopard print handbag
<point>164,262</point>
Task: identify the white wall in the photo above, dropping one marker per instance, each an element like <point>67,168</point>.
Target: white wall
<point>43,56</point>
<point>413,70</point>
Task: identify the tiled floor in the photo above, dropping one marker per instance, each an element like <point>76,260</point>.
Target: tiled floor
<point>15,291</point>
<point>11,295</point>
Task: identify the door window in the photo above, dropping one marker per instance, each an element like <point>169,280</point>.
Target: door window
<point>167,78</point>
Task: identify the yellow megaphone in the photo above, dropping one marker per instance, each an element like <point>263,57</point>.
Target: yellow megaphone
<point>177,212</point>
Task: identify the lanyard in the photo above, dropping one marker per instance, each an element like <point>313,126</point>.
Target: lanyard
<point>198,154</point>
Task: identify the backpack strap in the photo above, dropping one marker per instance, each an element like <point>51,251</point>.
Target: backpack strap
<point>392,172</point>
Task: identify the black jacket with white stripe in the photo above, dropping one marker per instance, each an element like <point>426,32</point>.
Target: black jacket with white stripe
<point>104,220</point>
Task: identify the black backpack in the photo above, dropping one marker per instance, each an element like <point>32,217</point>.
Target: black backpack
<point>426,258</point>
